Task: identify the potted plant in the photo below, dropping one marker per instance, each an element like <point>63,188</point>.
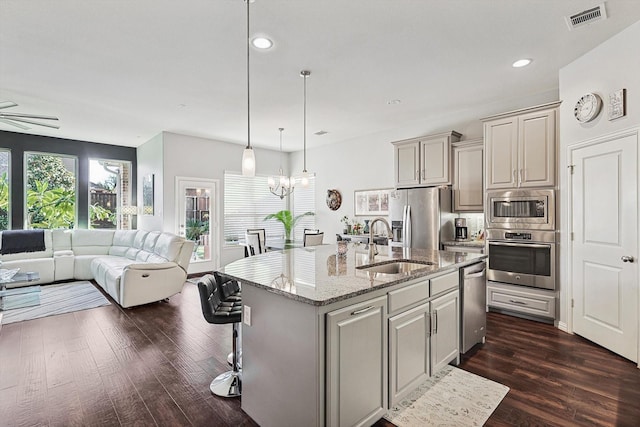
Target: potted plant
<point>347,225</point>
<point>288,220</point>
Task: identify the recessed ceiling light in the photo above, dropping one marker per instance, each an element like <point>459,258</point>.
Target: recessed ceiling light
<point>521,63</point>
<point>394,102</point>
<point>261,42</point>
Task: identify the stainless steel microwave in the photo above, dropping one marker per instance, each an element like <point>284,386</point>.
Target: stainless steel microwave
<point>521,209</point>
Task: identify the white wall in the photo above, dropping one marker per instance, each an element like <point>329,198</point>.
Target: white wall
<point>367,162</point>
<point>150,160</point>
<point>193,157</point>
<point>615,64</point>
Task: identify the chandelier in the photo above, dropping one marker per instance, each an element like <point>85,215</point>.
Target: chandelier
<point>281,185</point>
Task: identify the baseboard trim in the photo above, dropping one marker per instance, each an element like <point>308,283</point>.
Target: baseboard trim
<point>563,327</point>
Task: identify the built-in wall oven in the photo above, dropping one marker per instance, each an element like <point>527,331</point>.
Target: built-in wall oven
<point>521,209</point>
<point>522,257</point>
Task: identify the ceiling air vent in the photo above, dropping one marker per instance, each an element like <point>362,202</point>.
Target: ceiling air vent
<point>586,17</point>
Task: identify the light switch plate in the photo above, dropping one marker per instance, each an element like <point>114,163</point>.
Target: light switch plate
<point>246,317</point>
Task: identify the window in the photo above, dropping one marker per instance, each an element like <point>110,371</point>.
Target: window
<point>50,191</point>
<point>109,192</point>
<point>304,200</point>
<point>247,201</point>
<point>5,189</point>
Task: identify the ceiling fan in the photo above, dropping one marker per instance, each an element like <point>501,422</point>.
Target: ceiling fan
<point>16,119</point>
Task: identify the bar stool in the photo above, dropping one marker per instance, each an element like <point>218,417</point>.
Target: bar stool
<point>221,302</point>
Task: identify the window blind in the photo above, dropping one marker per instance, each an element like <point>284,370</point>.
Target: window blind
<point>247,201</point>
<point>304,200</point>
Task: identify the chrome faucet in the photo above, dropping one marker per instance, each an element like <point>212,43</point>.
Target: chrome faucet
<point>372,246</point>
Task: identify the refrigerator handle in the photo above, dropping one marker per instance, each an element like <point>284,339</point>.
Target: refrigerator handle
<point>408,227</point>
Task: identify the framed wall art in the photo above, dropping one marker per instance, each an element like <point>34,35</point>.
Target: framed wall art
<point>147,194</point>
<point>617,107</point>
<point>372,202</point>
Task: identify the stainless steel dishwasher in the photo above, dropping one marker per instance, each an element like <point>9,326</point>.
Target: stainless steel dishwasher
<point>474,303</point>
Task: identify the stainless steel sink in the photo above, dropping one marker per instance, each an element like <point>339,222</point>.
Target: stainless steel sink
<point>397,267</point>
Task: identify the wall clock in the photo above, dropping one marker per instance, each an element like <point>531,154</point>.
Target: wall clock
<point>587,108</point>
<point>334,199</point>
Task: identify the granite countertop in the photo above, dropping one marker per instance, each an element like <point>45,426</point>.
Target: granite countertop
<point>469,243</point>
<point>316,275</point>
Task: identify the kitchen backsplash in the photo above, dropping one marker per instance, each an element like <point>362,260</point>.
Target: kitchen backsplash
<point>475,223</point>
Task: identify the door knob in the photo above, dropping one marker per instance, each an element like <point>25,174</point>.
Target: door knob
<point>627,258</point>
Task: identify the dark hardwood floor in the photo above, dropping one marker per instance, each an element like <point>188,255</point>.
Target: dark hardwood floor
<point>152,365</point>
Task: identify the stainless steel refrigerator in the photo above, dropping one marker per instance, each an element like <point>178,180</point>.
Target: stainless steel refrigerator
<point>421,217</point>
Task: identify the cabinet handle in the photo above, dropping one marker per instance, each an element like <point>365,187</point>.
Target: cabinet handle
<point>362,310</point>
<point>434,322</point>
<point>515,178</point>
<point>520,173</point>
<point>423,174</point>
<point>517,302</point>
<point>418,174</point>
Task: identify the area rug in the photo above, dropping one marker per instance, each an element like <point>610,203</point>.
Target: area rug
<point>58,299</point>
<point>452,397</point>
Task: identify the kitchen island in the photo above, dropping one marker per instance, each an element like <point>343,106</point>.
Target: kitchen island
<point>326,340</point>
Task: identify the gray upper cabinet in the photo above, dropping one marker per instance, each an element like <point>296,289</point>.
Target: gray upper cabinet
<point>468,173</point>
<point>424,161</point>
<point>520,148</point>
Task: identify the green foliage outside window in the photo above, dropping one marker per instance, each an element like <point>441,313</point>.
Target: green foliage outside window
<point>4,201</point>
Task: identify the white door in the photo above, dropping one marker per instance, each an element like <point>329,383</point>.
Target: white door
<point>196,201</point>
<point>604,206</point>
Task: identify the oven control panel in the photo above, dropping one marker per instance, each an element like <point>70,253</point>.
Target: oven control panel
<point>517,236</point>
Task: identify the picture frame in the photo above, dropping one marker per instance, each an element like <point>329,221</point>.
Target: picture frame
<point>147,194</point>
<point>617,104</point>
<point>371,202</point>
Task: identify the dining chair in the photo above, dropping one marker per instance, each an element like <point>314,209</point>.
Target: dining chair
<point>312,239</point>
<point>252,241</point>
<point>263,237</point>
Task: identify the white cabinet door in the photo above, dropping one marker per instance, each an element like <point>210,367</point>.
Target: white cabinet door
<point>467,181</point>
<point>501,138</point>
<point>537,149</point>
<point>407,163</point>
<point>436,160</point>
<point>357,370</point>
<point>445,336</point>
<point>409,351</point>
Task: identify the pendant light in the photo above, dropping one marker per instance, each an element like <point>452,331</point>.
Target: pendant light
<point>304,181</point>
<point>281,185</point>
<point>248,156</point>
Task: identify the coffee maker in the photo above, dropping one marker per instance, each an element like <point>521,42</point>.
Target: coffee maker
<point>461,228</point>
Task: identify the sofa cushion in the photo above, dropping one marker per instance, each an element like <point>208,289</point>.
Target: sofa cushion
<point>143,256</point>
<point>168,246</point>
<point>122,242</point>
<point>44,267</point>
<point>91,242</point>
<point>61,239</point>
<point>82,266</point>
<point>150,241</point>
<point>138,242</point>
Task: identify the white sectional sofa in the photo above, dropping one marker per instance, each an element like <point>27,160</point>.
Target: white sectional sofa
<point>133,266</point>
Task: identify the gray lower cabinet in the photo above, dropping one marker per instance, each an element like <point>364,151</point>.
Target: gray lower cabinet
<point>445,338</point>
<point>409,351</point>
<point>357,363</point>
